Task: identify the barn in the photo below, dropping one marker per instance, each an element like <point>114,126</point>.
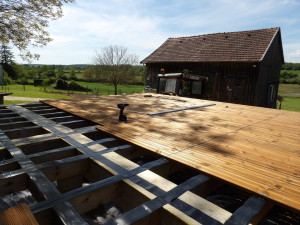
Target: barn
<point>239,67</point>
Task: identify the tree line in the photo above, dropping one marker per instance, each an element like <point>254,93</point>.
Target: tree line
<point>288,74</point>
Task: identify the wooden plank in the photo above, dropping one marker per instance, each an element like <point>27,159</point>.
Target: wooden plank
<point>18,215</point>
<point>253,145</point>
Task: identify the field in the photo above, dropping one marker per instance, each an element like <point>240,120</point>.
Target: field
<point>51,93</point>
<point>291,95</point>
<point>290,92</point>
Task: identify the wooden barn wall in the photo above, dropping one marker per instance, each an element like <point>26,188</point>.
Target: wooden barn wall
<point>230,82</point>
<point>269,74</point>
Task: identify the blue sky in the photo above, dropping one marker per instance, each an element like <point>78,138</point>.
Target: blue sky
<point>143,25</point>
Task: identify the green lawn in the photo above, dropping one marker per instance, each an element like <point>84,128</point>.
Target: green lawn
<point>105,89</point>
<point>291,104</point>
<point>31,91</point>
<point>51,93</point>
<point>291,95</point>
<point>13,102</point>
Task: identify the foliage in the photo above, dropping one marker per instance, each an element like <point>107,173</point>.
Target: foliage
<point>6,55</point>
<point>72,74</point>
<point>48,82</point>
<point>73,86</point>
<point>77,87</point>
<point>115,65</point>
<point>290,66</point>
<point>287,77</point>
<point>7,79</point>
<point>23,22</point>
<point>186,88</point>
<point>23,81</point>
<point>62,84</point>
<point>89,73</point>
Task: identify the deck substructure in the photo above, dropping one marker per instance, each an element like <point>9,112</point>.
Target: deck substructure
<point>78,174</point>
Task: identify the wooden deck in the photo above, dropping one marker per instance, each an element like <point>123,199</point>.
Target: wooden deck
<point>255,148</point>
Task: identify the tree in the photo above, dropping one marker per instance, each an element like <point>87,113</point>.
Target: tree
<point>23,23</point>
<point>89,73</point>
<point>116,65</point>
<point>6,55</point>
<point>73,74</point>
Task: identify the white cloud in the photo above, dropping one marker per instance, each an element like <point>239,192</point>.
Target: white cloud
<point>144,25</point>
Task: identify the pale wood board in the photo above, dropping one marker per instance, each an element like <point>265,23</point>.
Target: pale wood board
<point>255,148</point>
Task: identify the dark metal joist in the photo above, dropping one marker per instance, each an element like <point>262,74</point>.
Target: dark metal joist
<point>94,186</point>
<point>5,115</point>
<point>64,210</point>
<point>244,214</point>
<point>54,114</point>
<point>12,119</point>
<point>188,209</point>
<point>58,162</point>
<point>149,207</point>
<point>37,107</point>
<point>22,129</point>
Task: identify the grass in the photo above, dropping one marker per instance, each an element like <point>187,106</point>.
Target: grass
<point>291,104</point>
<point>31,92</point>
<point>38,92</point>
<point>291,95</point>
<point>105,88</point>
<point>13,102</point>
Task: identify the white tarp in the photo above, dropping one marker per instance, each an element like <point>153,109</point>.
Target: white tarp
<point>170,85</point>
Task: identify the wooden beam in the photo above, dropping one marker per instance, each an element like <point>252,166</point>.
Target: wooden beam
<point>18,215</point>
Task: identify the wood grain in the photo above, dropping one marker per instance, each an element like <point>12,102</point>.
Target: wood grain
<point>255,148</point>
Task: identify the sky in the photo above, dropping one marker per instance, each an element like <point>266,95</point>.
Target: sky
<point>143,25</point>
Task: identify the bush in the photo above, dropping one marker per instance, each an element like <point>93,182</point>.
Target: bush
<point>7,80</point>
<point>62,84</point>
<point>73,86</point>
<point>23,81</point>
<point>77,87</point>
<point>48,82</point>
<point>289,78</point>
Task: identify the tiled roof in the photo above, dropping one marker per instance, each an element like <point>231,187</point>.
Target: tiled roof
<point>243,46</point>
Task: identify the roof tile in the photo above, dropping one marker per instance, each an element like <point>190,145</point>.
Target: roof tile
<point>219,47</point>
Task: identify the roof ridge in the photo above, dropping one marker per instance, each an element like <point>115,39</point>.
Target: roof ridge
<point>230,32</point>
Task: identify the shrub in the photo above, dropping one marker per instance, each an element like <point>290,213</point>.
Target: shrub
<point>73,86</point>
<point>48,82</point>
<point>62,84</point>
<point>77,87</point>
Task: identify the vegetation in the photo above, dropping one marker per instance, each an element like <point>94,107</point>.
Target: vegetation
<point>23,23</point>
<point>114,65</point>
<point>290,77</point>
<point>291,66</point>
<point>291,96</point>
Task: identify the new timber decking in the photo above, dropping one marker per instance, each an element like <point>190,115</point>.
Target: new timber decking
<point>69,171</point>
<point>257,149</point>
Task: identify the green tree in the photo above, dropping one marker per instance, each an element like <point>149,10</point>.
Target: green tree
<point>116,65</point>
<point>6,55</point>
<point>89,73</point>
<point>23,23</point>
<point>73,74</point>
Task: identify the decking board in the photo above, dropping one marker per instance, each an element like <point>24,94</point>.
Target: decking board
<point>254,148</point>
